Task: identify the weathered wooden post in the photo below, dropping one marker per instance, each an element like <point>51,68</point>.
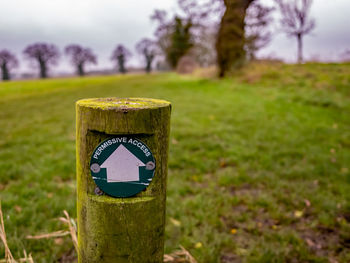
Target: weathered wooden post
<point>122,150</point>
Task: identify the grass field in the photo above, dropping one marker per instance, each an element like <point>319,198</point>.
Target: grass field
<point>259,167</point>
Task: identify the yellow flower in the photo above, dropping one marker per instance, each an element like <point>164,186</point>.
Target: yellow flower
<point>233,231</point>
<point>298,213</point>
<point>198,245</point>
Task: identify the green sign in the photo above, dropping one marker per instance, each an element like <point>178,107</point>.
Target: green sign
<point>122,166</point>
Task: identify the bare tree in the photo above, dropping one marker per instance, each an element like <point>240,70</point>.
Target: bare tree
<point>44,54</point>
<point>203,15</point>
<point>295,20</point>
<point>120,55</point>
<point>7,61</point>
<point>163,30</point>
<point>239,33</point>
<point>203,50</point>
<point>257,33</point>
<point>148,49</point>
<point>80,57</point>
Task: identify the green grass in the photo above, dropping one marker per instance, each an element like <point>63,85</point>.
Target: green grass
<point>259,167</point>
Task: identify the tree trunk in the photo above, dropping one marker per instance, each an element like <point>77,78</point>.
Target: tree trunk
<point>43,69</point>
<point>230,40</point>
<point>300,48</point>
<point>5,72</point>
<point>81,71</point>
<point>121,229</point>
<point>148,66</point>
<point>121,65</point>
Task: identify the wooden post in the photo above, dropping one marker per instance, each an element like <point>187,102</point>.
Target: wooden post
<point>121,229</point>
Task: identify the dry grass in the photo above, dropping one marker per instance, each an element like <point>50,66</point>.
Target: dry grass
<point>72,228</point>
<point>28,258</point>
<point>72,231</point>
<point>60,233</point>
<point>180,256</point>
<point>8,255</point>
<point>207,73</point>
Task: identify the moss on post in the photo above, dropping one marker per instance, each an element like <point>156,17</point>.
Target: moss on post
<point>121,229</point>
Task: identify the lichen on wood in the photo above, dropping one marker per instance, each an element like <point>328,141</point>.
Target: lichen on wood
<point>122,229</point>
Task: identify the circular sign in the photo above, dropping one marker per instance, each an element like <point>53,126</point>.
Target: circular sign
<point>122,166</point>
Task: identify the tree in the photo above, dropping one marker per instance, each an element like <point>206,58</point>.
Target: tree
<point>7,61</point>
<point>44,54</point>
<point>257,34</point>
<point>174,36</point>
<point>295,20</point>
<point>200,19</point>
<point>231,36</point>
<point>203,15</point>
<point>163,29</point>
<point>147,48</point>
<point>120,54</point>
<point>80,57</point>
<point>180,41</point>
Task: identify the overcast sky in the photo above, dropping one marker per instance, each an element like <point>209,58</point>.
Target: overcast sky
<point>101,24</point>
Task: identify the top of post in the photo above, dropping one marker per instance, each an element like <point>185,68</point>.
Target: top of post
<point>123,103</point>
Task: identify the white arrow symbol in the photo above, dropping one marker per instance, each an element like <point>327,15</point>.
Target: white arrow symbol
<point>122,166</point>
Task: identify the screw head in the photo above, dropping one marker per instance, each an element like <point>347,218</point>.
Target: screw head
<point>150,165</point>
<point>95,168</point>
<point>98,191</point>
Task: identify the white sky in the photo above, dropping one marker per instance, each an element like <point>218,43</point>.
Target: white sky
<point>101,24</point>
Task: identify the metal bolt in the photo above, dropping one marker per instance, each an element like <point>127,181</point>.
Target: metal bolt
<point>150,165</point>
<point>95,167</point>
<point>98,191</point>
